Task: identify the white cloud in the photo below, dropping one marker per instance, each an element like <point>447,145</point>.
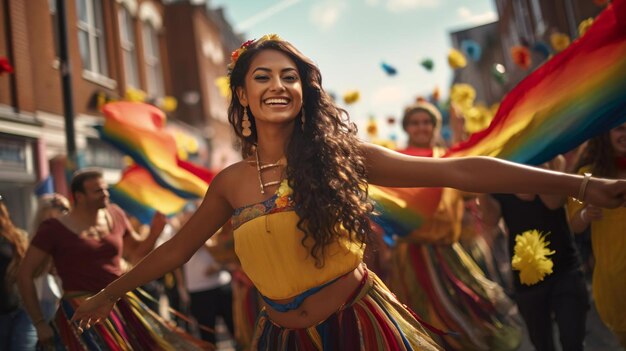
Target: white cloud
<point>480,18</point>
<point>265,14</point>
<point>326,13</point>
<point>403,5</point>
<point>390,94</point>
<point>464,12</point>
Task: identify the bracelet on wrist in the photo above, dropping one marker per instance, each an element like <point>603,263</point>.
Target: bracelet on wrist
<point>583,187</point>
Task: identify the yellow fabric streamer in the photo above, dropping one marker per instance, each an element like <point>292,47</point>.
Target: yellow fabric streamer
<point>530,257</point>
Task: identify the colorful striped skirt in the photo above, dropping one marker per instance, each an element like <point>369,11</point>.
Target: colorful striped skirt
<point>130,326</point>
<point>443,285</point>
<point>372,319</point>
<point>246,307</point>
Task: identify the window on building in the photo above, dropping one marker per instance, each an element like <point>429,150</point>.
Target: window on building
<point>102,155</point>
<point>152,58</point>
<point>540,25</point>
<point>522,18</point>
<point>52,6</point>
<point>91,37</point>
<point>129,47</point>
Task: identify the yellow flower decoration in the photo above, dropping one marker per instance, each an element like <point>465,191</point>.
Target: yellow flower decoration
<point>584,25</point>
<point>168,103</point>
<point>530,257</point>
<point>237,53</point>
<point>223,85</point>
<point>372,128</point>
<point>135,95</point>
<point>185,144</point>
<point>477,118</point>
<point>284,189</point>
<point>463,95</point>
<point>456,59</point>
<point>271,36</point>
<point>559,41</point>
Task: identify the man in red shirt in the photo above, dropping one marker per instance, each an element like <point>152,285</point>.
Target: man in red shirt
<point>87,246</point>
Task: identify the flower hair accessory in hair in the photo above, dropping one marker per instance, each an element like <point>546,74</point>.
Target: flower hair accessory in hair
<point>237,53</point>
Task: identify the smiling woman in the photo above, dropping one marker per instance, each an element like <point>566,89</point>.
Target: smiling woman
<point>299,204</point>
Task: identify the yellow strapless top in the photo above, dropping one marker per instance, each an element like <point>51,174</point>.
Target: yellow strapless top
<point>269,246</point>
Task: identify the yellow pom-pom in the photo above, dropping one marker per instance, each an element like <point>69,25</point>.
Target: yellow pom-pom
<point>463,95</point>
<point>584,25</point>
<point>372,128</point>
<point>135,95</point>
<point>168,103</point>
<point>530,257</point>
<point>351,97</point>
<point>559,41</point>
<point>477,118</point>
<point>456,59</point>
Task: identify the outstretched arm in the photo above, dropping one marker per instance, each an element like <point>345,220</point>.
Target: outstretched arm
<point>209,217</point>
<point>484,175</point>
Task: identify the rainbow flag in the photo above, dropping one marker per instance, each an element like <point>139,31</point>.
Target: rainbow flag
<point>578,94</point>
<point>140,196</point>
<point>137,129</point>
<point>402,210</point>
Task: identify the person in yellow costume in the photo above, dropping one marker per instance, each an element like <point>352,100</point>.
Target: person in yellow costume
<point>301,213</point>
<point>432,273</point>
<point>605,156</point>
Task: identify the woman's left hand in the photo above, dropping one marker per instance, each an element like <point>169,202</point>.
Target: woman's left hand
<point>92,311</point>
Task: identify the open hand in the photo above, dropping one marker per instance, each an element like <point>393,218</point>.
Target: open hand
<point>92,311</point>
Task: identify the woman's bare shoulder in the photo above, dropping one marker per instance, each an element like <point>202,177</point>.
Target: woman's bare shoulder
<point>228,178</point>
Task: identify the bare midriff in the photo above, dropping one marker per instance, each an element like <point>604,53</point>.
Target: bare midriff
<point>319,306</point>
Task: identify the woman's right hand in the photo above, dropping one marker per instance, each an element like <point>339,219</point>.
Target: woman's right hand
<point>92,311</point>
<point>45,336</point>
<point>607,193</point>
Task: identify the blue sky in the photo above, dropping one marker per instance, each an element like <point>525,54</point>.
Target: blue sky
<point>349,39</point>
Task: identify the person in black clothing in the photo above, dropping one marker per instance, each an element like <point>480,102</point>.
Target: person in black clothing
<point>563,293</point>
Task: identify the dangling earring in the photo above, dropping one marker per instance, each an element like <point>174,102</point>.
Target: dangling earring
<point>245,123</point>
<point>302,118</point>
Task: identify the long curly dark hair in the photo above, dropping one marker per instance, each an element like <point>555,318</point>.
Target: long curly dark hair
<point>16,238</point>
<point>325,166</point>
<point>599,154</point>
